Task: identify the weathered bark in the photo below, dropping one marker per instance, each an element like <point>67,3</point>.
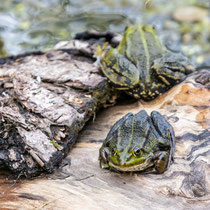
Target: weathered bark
<point>81,183</point>
<point>45,100</point>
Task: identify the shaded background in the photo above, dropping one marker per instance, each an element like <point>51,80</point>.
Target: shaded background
<point>38,25</point>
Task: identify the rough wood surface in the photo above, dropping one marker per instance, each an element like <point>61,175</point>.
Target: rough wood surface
<point>82,184</point>
<point>45,100</point>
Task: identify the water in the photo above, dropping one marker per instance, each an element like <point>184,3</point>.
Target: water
<point>32,25</point>
<point>28,25</point>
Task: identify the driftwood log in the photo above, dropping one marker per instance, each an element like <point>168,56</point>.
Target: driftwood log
<point>45,100</point>
<point>82,184</point>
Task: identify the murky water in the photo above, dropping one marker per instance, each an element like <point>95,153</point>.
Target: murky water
<point>28,25</point>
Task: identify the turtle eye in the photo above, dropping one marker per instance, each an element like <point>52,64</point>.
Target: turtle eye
<point>113,151</point>
<point>137,152</point>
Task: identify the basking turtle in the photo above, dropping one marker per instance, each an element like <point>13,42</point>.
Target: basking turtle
<point>142,66</point>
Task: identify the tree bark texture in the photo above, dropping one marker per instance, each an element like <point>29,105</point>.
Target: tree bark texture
<point>45,100</point>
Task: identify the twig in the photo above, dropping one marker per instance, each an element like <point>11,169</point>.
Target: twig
<point>87,177</point>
